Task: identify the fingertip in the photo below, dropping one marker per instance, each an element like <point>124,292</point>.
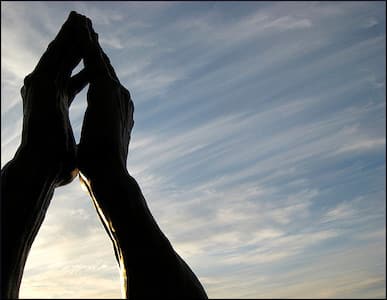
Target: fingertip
<point>89,23</point>
<point>73,14</point>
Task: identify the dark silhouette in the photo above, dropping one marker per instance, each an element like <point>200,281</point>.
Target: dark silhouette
<point>47,158</point>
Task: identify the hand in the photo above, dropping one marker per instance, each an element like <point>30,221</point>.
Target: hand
<point>46,156</point>
<point>47,94</point>
<point>108,119</point>
<point>149,265</point>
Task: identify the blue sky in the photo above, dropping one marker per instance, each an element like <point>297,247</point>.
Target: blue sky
<point>259,143</point>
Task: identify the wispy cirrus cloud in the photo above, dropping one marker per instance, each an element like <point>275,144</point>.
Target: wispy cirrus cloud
<point>258,143</point>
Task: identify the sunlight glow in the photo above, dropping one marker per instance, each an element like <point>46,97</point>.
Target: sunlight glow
<point>259,144</point>
<point>85,183</point>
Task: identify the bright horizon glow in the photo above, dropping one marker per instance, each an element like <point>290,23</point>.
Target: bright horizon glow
<point>259,144</point>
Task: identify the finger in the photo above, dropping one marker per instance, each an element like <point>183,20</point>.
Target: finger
<point>96,60</point>
<point>74,52</point>
<point>54,50</point>
<point>62,54</point>
<point>105,58</point>
<point>77,83</point>
<point>109,66</point>
<point>70,59</point>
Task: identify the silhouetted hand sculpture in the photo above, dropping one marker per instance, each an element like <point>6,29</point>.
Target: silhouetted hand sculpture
<point>46,157</point>
<point>149,265</point>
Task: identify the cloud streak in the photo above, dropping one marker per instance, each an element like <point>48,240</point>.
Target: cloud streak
<point>259,144</point>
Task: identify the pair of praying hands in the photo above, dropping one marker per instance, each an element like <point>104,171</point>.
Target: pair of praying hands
<point>48,157</point>
<point>48,93</point>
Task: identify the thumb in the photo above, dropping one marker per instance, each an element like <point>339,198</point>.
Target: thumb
<point>77,83</point>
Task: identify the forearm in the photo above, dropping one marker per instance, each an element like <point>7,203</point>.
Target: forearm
<point>146,257</point>
<point>122,207</point>
<point>27,187</point>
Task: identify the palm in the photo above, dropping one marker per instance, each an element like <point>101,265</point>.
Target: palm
<point>108,119</point>
<point>47,94</point>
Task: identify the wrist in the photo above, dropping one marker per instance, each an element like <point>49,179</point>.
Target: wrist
<point>95,165</point>
<point>55,167</point>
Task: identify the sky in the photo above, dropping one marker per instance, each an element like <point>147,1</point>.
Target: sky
<point>259,144</point>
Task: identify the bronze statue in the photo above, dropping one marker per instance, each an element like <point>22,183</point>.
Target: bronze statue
<point>48,157</point>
